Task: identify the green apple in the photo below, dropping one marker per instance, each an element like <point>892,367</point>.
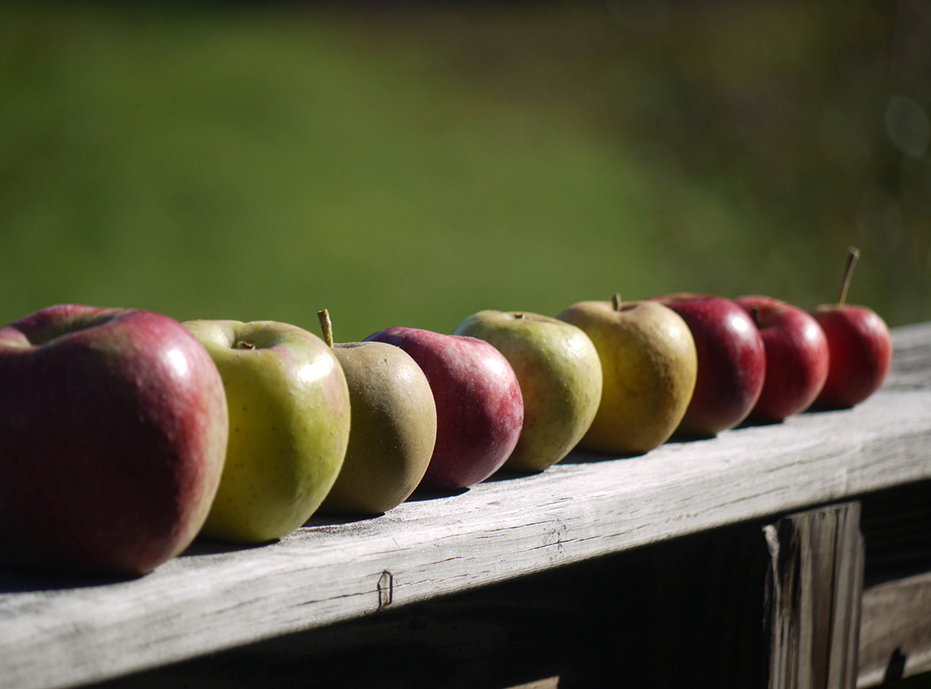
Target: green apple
<point>650,367</point>
<point>288,426</point>
<point>560,380</point>
<point>393,427</point>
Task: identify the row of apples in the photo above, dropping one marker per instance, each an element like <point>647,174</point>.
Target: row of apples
<point>124,434</point>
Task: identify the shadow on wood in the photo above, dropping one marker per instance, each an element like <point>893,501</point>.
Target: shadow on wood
<point>687,612</point>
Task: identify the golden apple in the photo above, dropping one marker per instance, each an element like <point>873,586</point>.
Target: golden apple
<point>649,366</point>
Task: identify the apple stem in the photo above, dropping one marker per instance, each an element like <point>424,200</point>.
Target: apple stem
<point>617,301</point>
<point>326,326</point>
<point>852,255</point>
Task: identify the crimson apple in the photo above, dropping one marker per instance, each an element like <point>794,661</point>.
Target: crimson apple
<point>113,431</point>
<point>479,407</point>
<point>860,347</point>
<point>731,363</point>
<point>796,357</point>
<point>860,354</point>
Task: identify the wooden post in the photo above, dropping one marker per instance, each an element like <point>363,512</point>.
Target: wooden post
<point>813,598</point>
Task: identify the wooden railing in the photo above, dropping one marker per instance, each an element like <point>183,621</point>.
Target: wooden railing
<point>740,557</point>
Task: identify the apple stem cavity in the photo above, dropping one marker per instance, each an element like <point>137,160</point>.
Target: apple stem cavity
<point>242,344</point>
<point>326,326</point>
<point>755,314</point>
<point>852,255</point>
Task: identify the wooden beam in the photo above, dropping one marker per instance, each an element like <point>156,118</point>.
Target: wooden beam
<point>59,632</point>
<point>895,635</point>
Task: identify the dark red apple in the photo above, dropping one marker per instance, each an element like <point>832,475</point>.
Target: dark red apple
<point>731,363</point>
<point>860,347</point>
<point>113,430</point>
<point>796,357</point>
<point>479,408</point>
<point>860,354</point>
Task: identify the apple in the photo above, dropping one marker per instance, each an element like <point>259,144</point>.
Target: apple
<point>731,363</point>
<point>860,348</point>
<point>289,426</point>
<point>393,427</point>
<point>113,430</point>
<point>796,357</point>
<point>560,380</point>
<point>479,407</point>
<point>650,366</point>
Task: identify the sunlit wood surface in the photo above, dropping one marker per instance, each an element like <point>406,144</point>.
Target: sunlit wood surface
<point>58,632</point>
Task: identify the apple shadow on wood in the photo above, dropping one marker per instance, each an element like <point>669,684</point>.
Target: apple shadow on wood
<point>584,456</point>
<point>435,493</point>
<point>319,520</point>
<point>24,580</point>
<point>204,545</point>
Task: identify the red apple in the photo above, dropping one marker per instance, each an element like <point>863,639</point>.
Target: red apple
<point>731,363</point>
<point>796,357</point>
<point>860,354</point>
<point>860,347</point>
<point>479,408</point>
<point>113,431</point>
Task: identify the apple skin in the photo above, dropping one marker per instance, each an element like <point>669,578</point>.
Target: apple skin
<point>393,429</point>
<point>796,357</point>
<point>289,425</point>
<point>649,363</point>
<point>479,407</point>
<point>560,379</point>
<point>860,354</point>
<point>113,430</point>
<point>731,363</point>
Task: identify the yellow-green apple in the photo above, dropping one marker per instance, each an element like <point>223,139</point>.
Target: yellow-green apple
<point>113,430</point>
<point>860,348</point>
<point>559,374</point>
<point>479,407</point>
<point>731,363</point>
<point>649,364</point>
<point>393,427</point>
<point>289,426</point>
<point>796,357</point>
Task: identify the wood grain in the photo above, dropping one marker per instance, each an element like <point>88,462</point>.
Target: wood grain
<point>895,637</point>
<point>57,632</point>
<point>814,592</point>
<point>895,633</point>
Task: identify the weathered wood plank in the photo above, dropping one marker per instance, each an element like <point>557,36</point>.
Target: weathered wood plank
<point>816,583</point>
<point>57,633</point>
<point>685,613</point>
<point>895,635</point>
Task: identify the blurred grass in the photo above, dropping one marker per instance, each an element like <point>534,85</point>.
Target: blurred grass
<point>413,165</point>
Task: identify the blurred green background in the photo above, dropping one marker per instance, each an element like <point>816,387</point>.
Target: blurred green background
<point>411,163</point>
